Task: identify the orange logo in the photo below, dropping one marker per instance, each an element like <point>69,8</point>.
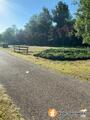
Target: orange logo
<point>52,112</point>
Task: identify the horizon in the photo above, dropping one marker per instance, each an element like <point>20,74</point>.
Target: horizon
<point>19,12</point>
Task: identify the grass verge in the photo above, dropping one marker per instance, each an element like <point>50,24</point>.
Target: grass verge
<point>79,69</point>
<point>8,110</point>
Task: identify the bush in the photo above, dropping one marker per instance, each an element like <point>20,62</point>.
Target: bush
<point>5,45</point>
<point>65,54</point>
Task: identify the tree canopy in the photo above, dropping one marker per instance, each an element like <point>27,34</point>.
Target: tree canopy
<point>83,21</point>
<point>9,36</point>
<point>61,14</point>
<point>55,27</point>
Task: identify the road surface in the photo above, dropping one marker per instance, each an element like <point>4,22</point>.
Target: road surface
<point>38,89</point>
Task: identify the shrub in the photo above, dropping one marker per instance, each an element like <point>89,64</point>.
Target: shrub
<point>65,54</point>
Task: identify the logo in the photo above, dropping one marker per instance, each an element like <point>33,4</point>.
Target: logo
<point>53,113</point>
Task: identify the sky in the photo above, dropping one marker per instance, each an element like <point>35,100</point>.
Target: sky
<point>18,12</point>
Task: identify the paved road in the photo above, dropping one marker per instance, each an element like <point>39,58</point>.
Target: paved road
<point>41,89</point>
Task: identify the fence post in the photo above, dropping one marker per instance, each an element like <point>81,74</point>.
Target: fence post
<point>14,48</point>
<point>19,48</point>
<point>27,50</point>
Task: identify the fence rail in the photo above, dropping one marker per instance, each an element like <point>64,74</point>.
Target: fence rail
<point>21,49</point>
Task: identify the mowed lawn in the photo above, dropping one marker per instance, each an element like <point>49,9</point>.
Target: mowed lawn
<point>78,69</point>
<point>8,111</point>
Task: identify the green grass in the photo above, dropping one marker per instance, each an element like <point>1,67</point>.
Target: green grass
<point>65,54</point>
<point>8,111</point>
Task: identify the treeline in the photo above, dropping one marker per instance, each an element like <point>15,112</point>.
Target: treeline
<point>49,28</point>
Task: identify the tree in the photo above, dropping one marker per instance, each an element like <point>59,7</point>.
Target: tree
<point>49,28</point>
<point>64,23</point>
<point>62,18</point>
<point>31,30</point>
<point>38,27</point>
<point>61,14</point>
<point>44,25</point>
<point>21,37</point>
<point>9,36</point>
<point>44,21</point>
<point>1,40</point>
<point>31,26</point>
<point>82,24</point>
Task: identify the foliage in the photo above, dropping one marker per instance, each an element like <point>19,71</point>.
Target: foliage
<point>5,45</point>
<point>38,28</point>
<point>9,36</point>
<point>62,18</point>
<point>61,14</point>
<point>83,21</point>
<point>65,54</point>
<point>1,39</point>
<point>49,28</point>
<point>52,29</point>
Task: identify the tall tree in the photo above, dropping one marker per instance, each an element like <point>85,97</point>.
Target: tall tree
<point>9,36</point>
<point>44,21</point>
<point>61,14</point>
<point>32,31</point>
<point>39,26</point>
<point>83,21</point>
<point>1,40</point>
<point>63,20</point>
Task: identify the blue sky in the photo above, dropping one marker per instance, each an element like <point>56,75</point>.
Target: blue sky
<point>18,12</point>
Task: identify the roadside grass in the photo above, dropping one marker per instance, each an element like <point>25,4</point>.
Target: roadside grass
<point>8,111</point>
<point>79,69</point>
